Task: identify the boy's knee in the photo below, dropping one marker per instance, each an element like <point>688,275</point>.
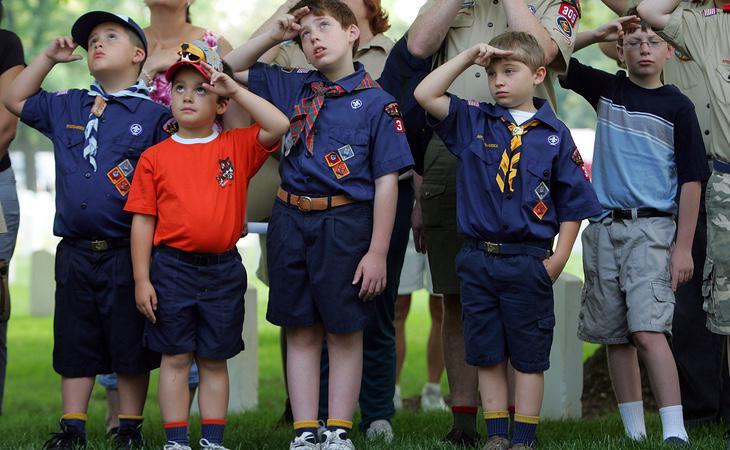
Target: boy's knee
<point>182,361</point>
<point>304,336</point>
<point>647,340</point>
<point>205,364</point>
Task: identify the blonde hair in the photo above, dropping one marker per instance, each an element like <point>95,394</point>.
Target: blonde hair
<point>524,47</point>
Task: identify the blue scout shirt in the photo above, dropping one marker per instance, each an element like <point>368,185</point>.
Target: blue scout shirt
<point>550,171</point>
<point>361,128</point>
<point>89,205</point>
<point>402,73</point>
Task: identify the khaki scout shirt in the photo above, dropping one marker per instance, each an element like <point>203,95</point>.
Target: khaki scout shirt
<point>267,180</point>
<point>372,55</point>
<point>480,20</point>
<point>703,34</point>
<point>683,72</point>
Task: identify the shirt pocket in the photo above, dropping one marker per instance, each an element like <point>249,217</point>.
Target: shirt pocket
<point>491,158</point>
<point>722,88</point>
<point>536,188</point>
<point>351,149</point>
<point>69,161</point>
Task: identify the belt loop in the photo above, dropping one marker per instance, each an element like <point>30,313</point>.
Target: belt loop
<point>634,214</point>
<point>329,201</point>
<point>288,198</point>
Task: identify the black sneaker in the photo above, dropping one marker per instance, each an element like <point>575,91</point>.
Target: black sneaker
<point>675,441</point>
<point>128,438</point>
<point>458,437</point>
<point>65,439</point>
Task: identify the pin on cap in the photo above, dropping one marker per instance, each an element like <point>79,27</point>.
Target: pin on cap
<point>193,54</point>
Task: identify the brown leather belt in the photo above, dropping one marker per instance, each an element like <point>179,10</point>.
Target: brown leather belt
<point>307,204</point>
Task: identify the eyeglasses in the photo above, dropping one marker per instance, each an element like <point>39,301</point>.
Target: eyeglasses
<point>635,43</point>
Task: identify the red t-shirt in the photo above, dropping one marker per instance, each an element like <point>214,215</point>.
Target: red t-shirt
<point>197,188</point>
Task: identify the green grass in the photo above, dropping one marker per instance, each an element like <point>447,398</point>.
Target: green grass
<point>32,398</point>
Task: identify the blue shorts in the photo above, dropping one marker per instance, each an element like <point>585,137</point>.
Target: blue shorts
<point>200,303</point>
<point>96,326</point>
<point>507,307</point>
<point>312,258</point>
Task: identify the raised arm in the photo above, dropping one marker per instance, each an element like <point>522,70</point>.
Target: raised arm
<point>431,93</point>
<point>273,52</point>
<point>608,32</point>
<point>429,29</point>
<point>619,7</point>
<point>30,79</point>
<point>519,18</point>
<point>8,122</point>
<point>657,12</point>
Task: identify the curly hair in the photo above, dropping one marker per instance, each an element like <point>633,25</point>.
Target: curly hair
<point>378,17</point>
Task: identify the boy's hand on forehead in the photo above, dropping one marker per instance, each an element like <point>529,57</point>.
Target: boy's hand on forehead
<point>481,54</point>
<point>61,50</point>
<point>220,83</point>
<point>287,26</point>
<point>615,29</point>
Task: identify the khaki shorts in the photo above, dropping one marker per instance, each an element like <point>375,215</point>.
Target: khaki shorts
<point>415,274</point>
<point>716,285</point>
<point>438,200</point>
<point>627,283</point>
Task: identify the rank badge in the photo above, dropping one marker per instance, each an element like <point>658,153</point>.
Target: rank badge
<point>126,167</point>
<point>115,175</point>
<point>341,170</point>
<point>540,209</point>
<point>346,152</point>
<point>541,190</point>
<point>123,187</point>
<point>332,159</point>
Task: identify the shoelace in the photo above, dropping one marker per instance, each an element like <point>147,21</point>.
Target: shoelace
<point>175,446</point>
<point>204,443</point>
<point>128,435</point>
<point>304,441</point>
<point>63,435</point>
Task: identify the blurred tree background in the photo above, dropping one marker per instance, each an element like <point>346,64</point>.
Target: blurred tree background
<point>37,22</point>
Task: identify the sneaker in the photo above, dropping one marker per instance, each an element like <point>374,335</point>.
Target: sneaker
<point>497,443</point>
<point>65,438</point>
<point>207,445</point>
<point>431,398</point>
<point>380,430</point>
<point>321,428</point>
<point>175,446</point>
<point>337,440</point>
<point>128,438</point>
<point>676,441</point>
<point>397,400</point>
<point>307,441</point>
<point>461,439</point>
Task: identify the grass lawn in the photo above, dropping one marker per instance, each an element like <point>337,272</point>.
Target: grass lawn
<point>32,398</point>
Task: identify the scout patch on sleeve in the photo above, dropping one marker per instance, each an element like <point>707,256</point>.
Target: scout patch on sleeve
<point>569,12</point>
<point>578,160</point>
<point>399,126</point>
<point>171,126</point>
<point>575,4</point>
<point>392,109</point>
<point>564,27</point>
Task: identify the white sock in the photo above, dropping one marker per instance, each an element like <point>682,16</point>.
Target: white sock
<point>673,422</point>
<point>632,415</point>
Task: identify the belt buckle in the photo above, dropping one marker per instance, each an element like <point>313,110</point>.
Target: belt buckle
<point>99,246</point>
<point>306,207</point>
<point>491,247</point>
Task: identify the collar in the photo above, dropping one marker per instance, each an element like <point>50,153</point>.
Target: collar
<point>130,103</point>
<point>349,83</point>
<point>544,112</point>
<point>380,41</point>
<point>204,140</point>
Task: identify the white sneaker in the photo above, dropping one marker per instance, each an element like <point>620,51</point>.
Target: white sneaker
<point>207,445</point>
<point>380,430</point>
<point>305,442</point>
<point>397,400</point>
<point>333,440</point>
<point>431,398</point>
<point>175,446</point>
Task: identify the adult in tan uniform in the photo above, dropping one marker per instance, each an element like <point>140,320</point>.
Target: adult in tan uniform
<point>378,382</point>
<point>697,351</point>
<point>703,35</point>
<point>444,28</point>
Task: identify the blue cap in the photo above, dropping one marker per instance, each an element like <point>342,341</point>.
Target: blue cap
<point>84,24</point>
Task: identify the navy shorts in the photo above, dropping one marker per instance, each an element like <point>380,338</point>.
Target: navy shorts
<point>312,261</point>
<point>200,303</point>
<point>507,307</point>
<point>96,326</point>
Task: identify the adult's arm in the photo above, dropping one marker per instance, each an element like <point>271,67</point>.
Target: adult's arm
<point>657,12</point>
<point>619,7</point>
<point>519,18</point>
<point>8,121</point>
<point>273,52</point>
<point>430,28</point>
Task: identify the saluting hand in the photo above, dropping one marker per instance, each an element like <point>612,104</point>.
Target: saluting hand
<point>287,26</point>
<point>616,28</point>
<point>61,50</point>
<point>481,54</point>
<point>220,83</point>
<point>146,299</point>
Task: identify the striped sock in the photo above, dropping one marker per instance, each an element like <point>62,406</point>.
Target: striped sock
<point>525,429</point>
<point>497,423</point>
<point>76,422</point>
<point>177,432</point>
<point>212,430</point>
<point>307,426</point>
<point>337,424</point>
<point>465,419</point>
<point>127,421</point>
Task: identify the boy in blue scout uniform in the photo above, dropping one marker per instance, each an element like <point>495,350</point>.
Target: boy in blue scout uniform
<point>98,136</point>
<point>520,181</point>
<point>335,208</point>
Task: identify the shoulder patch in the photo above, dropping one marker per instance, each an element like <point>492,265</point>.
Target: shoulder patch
<point>710,12</point>
<point>575,4</point>
<point>564,27</point>
<point>393,110</point>
<point>171,126</point>
<point>570,12</point>
<point>474,103</point>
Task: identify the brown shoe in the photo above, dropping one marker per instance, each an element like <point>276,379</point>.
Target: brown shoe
<point>497,443</point>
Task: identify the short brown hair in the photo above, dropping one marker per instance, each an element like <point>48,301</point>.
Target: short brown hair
<point>643,24</point>
<point>524,47</point>
<point>377,16</point>
<point>335,9</point>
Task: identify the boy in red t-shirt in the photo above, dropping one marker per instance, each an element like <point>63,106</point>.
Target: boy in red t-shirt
<point>189,200</point>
